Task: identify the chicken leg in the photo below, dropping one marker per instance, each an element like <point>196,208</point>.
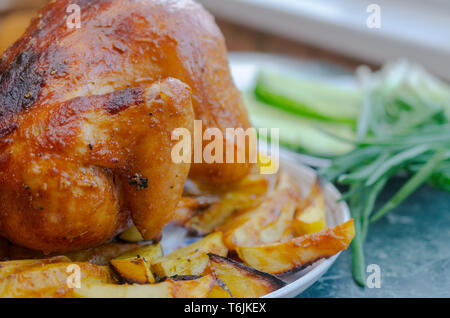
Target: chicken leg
<point>71,177</point>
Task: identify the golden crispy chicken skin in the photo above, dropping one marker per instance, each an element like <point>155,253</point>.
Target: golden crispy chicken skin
<point>86,117</point>
<point>122,43</point>
<point>71,172</point>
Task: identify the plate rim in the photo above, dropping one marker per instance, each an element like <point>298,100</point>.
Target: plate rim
<point>320,267</point>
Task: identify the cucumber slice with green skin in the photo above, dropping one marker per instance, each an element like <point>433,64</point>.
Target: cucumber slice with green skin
<point>309,98</point>
<point>299,133</point>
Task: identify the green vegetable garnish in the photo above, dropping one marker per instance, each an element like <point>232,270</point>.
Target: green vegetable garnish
<point>398,121</point>
<point>307,98</point>
<point>416,181</point>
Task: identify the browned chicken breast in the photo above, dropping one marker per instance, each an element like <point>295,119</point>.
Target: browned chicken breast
<point>86,117</point>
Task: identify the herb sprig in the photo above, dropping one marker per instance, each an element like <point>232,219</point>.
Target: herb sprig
<point>403,127</point>
<point>397,121</point>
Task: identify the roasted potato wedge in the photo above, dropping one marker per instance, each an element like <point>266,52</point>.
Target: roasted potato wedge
<point>50,280</point>
<point>134,267</point>
<point>103,254</point>
<point>312,217</point>
<point>244,195</point>
<point>299,252</point>
<point>100,255</point>
<point>131,235</point>
<point>191,264</point>
<point>133,271</point>
<point>197,288</point>
<point>220,290</point>
<point>11,267</point>
<point>239,281</point>
<point>269,222</point>
<point>192,259</point>
<point>190,206</point>
<point>149,252</point>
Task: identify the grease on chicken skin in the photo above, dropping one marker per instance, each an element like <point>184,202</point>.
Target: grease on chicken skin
<point>121,45</point>
<point>124,42</point>
<point>70,177</point>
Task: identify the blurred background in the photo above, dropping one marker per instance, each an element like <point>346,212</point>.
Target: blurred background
<point>320,29</point>
<point>411,245</point>
<point>414,29</point>
<point>15,16</point>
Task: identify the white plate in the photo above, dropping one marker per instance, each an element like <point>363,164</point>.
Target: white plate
<point>337,213</point>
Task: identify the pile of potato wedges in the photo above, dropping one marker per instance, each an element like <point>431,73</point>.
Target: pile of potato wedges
<point>249,235</point>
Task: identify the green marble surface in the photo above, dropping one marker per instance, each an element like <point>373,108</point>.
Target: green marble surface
<point>411,245</point>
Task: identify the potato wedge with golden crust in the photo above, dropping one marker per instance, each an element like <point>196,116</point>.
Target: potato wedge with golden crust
<point>188,207</point>
<point>134,267</point>
<point>191,264</point>
<point>269,222</point>
<point>245,194</point>
<point>133,271</point>
<point>150,252</point>
<point>311,218</point>
<point>103,254</point>
<point>100,255</point>
<point>220,290</point>
<point>299,252</point>
<point>50,280</point>
<point>191,259</point>
<point>11,267</point>
<point>196,288</point>
<point>131,235</point>
<point>239,281</point>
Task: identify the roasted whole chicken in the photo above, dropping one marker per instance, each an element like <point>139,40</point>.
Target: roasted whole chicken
<point>86,116</point>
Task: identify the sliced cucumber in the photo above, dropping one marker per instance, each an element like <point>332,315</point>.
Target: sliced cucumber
<point>299,133</point>
<point>309,98</point>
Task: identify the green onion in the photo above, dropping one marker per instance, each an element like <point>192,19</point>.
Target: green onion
<point>395,161</point>
<point>370,204</point>
<point>402,119</point>
<point>358,263</point>
<point>416,181</point>
<point>365,171</point>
